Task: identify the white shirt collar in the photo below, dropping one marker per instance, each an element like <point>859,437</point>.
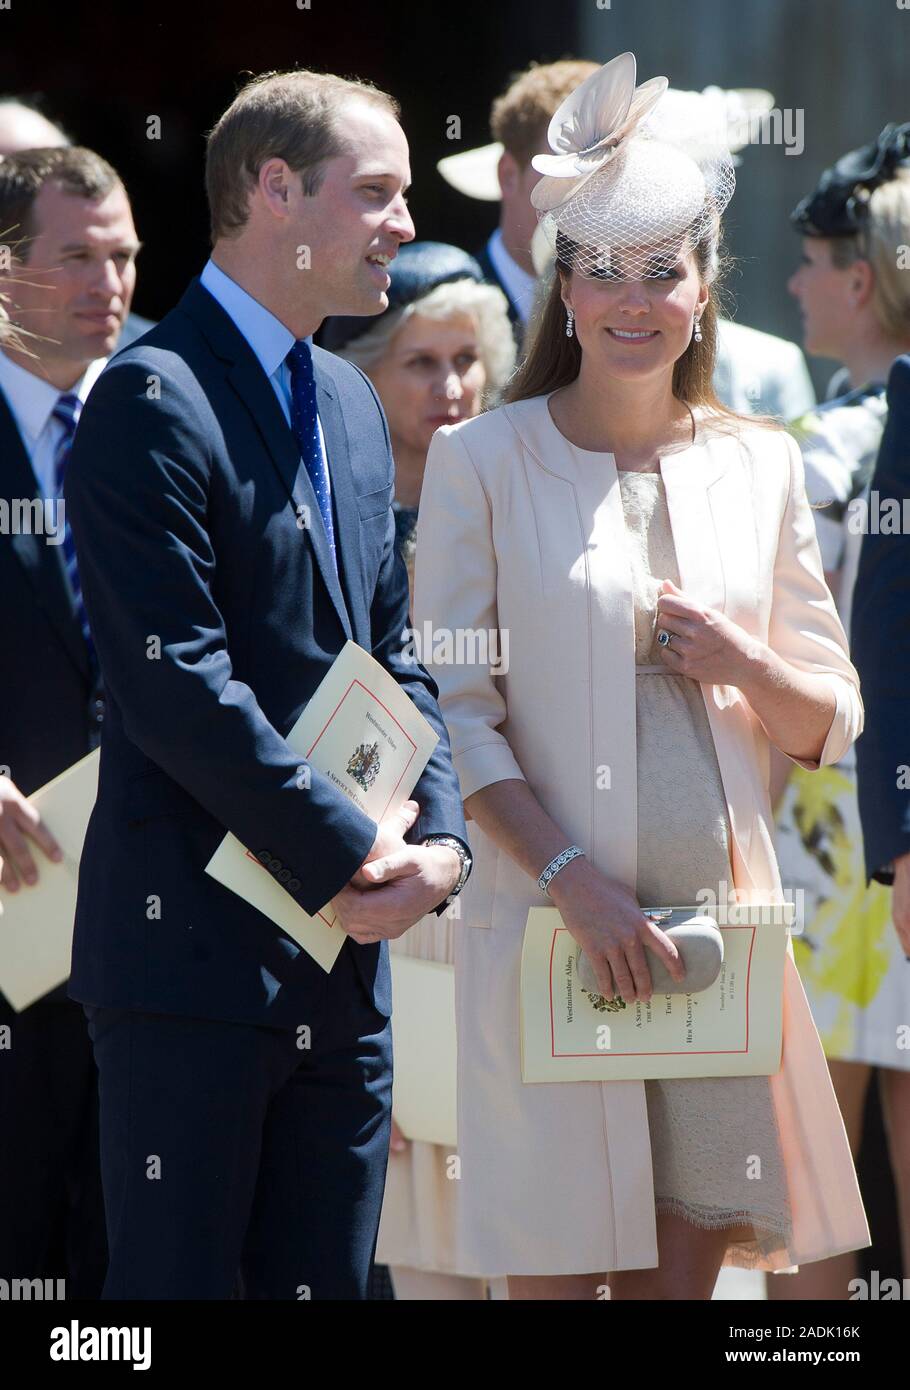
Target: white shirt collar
<point>32,398</point>
<point>518,284</point>
<point>266,335</point>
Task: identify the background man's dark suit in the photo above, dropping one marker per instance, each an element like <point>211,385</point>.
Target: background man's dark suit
<point>186,514</point>
<point>492,278</point>
<point>880,637</point>
<point>51,1216</point>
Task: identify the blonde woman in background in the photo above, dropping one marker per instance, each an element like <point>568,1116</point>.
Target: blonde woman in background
<point>438,355</point>
<point>855,301</point>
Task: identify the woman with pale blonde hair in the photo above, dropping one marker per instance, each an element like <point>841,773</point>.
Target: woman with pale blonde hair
<point>652,558</point>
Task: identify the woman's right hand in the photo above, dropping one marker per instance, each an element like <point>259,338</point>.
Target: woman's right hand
<point>606,920</point>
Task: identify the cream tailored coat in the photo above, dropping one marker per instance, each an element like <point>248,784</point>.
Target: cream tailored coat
<point>521,534</point>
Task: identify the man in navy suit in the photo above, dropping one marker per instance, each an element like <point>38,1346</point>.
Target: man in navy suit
<point>230,496</point>
<point>66,217</point>
<point>880,636</point>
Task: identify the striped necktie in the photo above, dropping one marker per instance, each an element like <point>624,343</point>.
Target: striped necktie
<point>305,425</point>
<point>66,411</point>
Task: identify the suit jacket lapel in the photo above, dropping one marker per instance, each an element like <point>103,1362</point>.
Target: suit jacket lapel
<point>41,562</point>
<point>344,495</point>
<point>255,391</point>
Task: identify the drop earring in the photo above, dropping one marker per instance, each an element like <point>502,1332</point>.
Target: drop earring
<point>570,323</point>
<point>697,335</point>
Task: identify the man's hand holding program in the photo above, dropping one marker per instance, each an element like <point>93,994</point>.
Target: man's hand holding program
<point>397,883</point>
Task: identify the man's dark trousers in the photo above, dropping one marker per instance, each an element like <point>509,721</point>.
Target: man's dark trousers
<point>276,1197</point>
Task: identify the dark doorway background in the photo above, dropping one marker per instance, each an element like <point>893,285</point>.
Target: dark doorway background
<point>102,69</point>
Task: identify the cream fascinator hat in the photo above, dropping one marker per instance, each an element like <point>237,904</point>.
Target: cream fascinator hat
<point>626,189</point>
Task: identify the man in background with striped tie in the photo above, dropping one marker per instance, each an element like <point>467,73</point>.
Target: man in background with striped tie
<point>67,272</point>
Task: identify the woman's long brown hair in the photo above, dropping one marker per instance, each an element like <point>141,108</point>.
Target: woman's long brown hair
<point>554,360</point>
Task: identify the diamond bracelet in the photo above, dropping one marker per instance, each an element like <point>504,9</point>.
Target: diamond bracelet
<point>555,865</point>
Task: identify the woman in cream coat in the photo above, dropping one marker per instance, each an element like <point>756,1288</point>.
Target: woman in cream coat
<point>522,535</point>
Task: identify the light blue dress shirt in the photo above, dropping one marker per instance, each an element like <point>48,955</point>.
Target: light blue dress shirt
<point>266,335</point>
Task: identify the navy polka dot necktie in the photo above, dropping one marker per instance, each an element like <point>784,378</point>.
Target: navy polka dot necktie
<point>305,425</point>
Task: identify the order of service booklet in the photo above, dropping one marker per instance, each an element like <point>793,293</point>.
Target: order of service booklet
<point>732,1028</point>
<point>36,924</point>
<point>361,730</point>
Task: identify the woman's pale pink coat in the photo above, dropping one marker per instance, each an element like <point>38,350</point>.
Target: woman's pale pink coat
<point>522,533</point>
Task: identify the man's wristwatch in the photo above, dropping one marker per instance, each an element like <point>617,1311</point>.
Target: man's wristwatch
<point>464,857</point>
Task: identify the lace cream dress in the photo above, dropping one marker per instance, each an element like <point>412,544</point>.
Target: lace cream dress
<point>706,1134</point>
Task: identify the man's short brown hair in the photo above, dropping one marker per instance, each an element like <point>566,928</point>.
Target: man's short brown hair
<point>278,115</point>
<point>520,117</point>
<point>79,172</point>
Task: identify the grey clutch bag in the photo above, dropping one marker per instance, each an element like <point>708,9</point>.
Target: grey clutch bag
<point>696,937</point>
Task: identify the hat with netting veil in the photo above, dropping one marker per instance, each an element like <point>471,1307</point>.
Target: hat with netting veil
<point>625,192</point>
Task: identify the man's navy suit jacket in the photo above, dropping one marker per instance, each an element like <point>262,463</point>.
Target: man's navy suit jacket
<point>51,702</point>
<point>48,714</point>
<point>880,642</point>
<point>216,612</point>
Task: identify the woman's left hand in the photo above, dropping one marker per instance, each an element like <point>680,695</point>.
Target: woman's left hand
<point>704,644</point>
